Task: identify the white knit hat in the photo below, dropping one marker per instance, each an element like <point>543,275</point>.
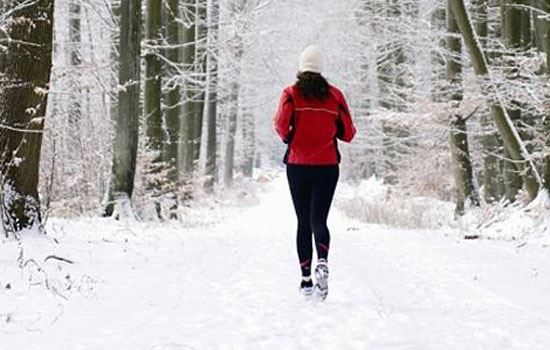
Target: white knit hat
<point>311,60</point>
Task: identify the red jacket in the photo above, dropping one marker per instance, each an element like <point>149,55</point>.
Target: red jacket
<point>311,127</point>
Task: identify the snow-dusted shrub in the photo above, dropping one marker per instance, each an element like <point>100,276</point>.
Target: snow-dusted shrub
<point>506,221</point>
<point>375,202</point>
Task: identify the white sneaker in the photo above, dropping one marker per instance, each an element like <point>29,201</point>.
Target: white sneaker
<point>320,290</point>
<point>306,287</point>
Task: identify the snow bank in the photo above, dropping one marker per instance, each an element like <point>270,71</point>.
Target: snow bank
<point>37,277</point>
<point>232,284</point>
<point>511,222</point>
<point>41,275</point>
<point>375,202</point>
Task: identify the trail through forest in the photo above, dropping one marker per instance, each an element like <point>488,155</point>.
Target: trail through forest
<point>234,285</point>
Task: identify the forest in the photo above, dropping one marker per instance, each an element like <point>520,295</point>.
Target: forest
<point>144,202</point>
<point>134,108</point>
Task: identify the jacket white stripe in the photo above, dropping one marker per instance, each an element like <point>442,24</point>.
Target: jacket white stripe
<point>316,110</point>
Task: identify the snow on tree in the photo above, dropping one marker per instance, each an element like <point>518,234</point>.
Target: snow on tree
<point>24,90</point>
<point>214,70</point>
<point>121,185</point>
<point>512,140</point>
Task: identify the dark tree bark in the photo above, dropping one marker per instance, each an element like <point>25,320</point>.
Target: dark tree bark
<point>526,27</point>
<point>542,26</point>
<point>464,182</point>
<point>189,108</point>
<point>115,40</point>
<point>512,34</point>
<point>153,114</point>
<point>491,174</point>
<point>173,110</point>
<point>127,120</point>
<point>3,41</point>
<point>23,99</point>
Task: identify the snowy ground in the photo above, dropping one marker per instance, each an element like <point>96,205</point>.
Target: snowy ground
<point>233,284</point>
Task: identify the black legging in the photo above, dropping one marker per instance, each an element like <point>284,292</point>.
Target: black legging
<point>312,189</point>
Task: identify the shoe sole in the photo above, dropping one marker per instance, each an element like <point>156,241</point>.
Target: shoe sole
<point>321,286</point>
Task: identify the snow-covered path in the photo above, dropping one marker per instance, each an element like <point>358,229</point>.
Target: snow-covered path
<point>234,286</point>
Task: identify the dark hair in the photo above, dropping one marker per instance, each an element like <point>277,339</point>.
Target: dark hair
<point>312,85</point>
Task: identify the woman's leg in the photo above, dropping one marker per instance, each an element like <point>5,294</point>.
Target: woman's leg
<point>300,189</point>
<point>322,193</point>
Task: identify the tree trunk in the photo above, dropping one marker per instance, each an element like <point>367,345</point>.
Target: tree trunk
<point>236,50</point>
<point>438,59</point>
<point>249,141</point>
<point>172,115</point>
<point>233,109</point>
<point>541,24</point>
<point>211,141</point>
<point>526,32</point>
<point>462,166</point>
<point>127,121</point>
<point>492,177</point>
<point>543,32</point>
<point>153,114</point>
<point>75,153</point>
<point>464,181</point>
<point>3,42</point>
<point>517,39</point>
<point>200,72</point>
<point>23,97</point>
<point>75,39</point>
<point>512,141</point>
<point>546,156</point>
<point>187,123</point>
<point>491,174</point>
<point>512,30</point>
<point>115,41</point>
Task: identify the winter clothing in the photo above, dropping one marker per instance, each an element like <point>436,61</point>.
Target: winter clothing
<point>312,189</point>
<point>306,287</point>
<point>311,60</point>
<point>310,127</point>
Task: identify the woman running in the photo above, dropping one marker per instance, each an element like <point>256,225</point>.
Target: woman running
<point>311,115</point>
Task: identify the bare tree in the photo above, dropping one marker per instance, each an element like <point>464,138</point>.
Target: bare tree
<point>491,174</point>
<point>152,100</point>
<point>235,47</point>
<point>127,121</point>
<point>464,181</point>
<point>200,77</point>
<point>23,97</point>
<point>212,106</point>
<point>511,34</point>
<point>172,114</point>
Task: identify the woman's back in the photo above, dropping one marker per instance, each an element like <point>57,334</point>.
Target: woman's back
<point>311,126</point>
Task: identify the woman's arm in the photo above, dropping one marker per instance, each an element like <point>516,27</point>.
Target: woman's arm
<point>346,128</point>
<point>283,117</point>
